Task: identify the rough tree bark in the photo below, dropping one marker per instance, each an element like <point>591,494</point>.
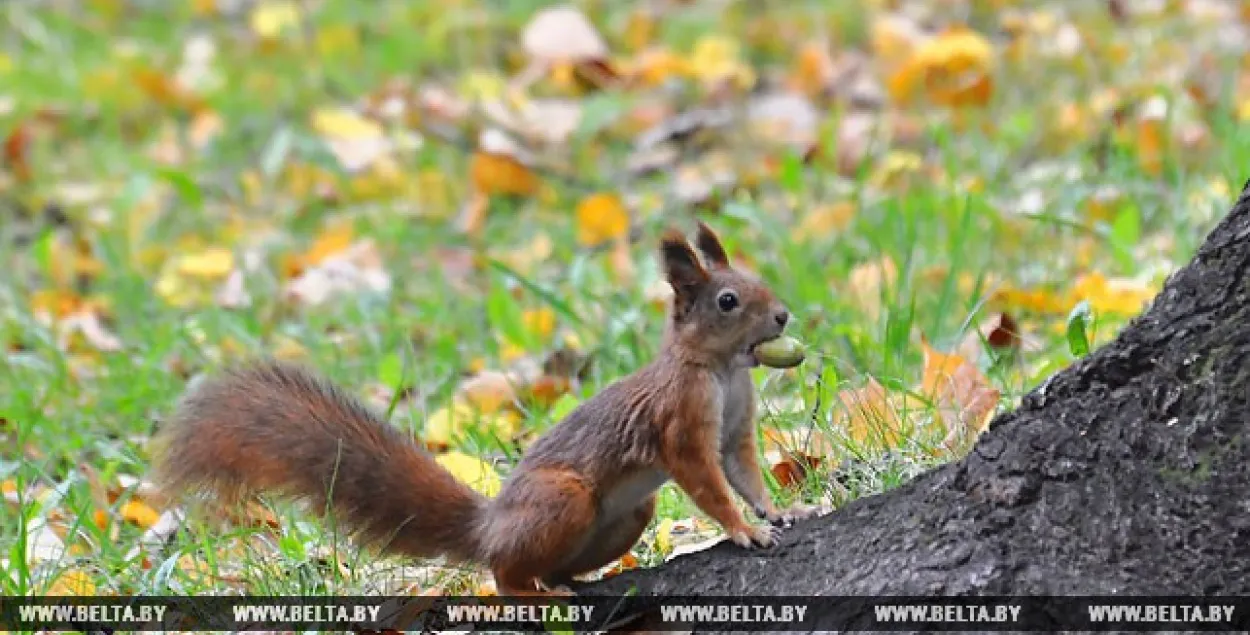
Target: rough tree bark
<point>1126,473</point>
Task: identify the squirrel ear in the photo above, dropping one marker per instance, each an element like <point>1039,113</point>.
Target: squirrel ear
<point>710,245</point>
<point>681,265</point>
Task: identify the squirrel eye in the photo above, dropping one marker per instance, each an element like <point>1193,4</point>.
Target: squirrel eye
<point>727,301</point>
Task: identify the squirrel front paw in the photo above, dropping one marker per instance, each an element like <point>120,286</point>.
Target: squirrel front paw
<point>756,536</point>
<point>789,515</point>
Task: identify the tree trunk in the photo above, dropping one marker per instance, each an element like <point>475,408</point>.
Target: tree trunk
<point>1126,473</point>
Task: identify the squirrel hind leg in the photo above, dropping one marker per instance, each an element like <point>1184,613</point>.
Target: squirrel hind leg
<point>542,519</point>
<point>612,539</point>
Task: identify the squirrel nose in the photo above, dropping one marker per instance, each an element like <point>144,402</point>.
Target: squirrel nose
<point>782,317</point>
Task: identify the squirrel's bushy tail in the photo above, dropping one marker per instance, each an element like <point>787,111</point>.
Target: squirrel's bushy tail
<point>275,427</point>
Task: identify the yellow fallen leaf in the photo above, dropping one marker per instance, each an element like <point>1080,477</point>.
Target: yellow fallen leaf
<point>655,66</point>
<point>55,304</point>
<point>450,422</point>
<point>540,322</point>
<point>600,218</point>
<point>664,536</point>
<point>139,513</point>
<point>1117,295</point>
<point>270,19</point>
<point>1030,300</point>
<point>72,583</point>
<point>334,239</point>
<point>824,221</point>
<point>717,59</point>
<point>354,140</point>
<point>344,123</point>
<point>952,69</point>
<point>894,37</point>
<point>214,263</point>
<point>472,471</point>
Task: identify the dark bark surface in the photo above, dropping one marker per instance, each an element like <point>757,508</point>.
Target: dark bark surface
<point>1126,473</point>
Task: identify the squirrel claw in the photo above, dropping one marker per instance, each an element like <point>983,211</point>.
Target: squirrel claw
<point>763,536</point>
<point>787,517</point>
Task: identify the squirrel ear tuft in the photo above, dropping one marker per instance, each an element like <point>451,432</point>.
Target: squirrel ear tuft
<point>681,265</point>
<point>710,245</point>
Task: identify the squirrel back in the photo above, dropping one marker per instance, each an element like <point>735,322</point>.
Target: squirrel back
<point>275,427</point>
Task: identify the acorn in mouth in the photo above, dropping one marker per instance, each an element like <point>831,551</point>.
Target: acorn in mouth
<point>780,352</point>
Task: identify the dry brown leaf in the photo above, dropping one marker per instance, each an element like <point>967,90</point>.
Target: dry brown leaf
<point>963,396</point>
<point>869,417</point>
<point>869,280</point>
<point>1000,332</point>
<point>794,469</point>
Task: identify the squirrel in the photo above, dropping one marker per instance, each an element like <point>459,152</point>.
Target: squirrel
<point>581,495</point>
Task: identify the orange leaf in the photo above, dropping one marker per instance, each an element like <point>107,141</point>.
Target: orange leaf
<point>869,418</point>
<point>952,69</point>
<point>166,91</point>
<point>16,147</point>
<point>1117,295</point>
<point>140,514</point>
<point>793,470</point>
<point>600,218</point>
<point>494,173</point>
<point>962,394</point>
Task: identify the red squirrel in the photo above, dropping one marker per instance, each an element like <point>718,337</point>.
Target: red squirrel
<point>582,493</point>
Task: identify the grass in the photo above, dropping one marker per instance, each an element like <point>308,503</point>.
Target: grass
<point>71,415</point>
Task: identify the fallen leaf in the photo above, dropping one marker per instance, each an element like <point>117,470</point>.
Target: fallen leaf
<point>869,418</point>
<point>869,281</point>
<point>355,270</point>
<point>541,323</point>
<point>1117,295</point>
<point>139,513</point>
<point>794,469</point>
<point>213,263</point>
<point>355,141</point>
<point>952,69</point>
<point>474,472</point>
<point>824,221</point>
<point>1000,332</point>
<point>488,392</point>
<point>601,218</point>
<point>716,61</point>
<point>271,18</point>
<point>500,167</point>
<point>72,583</point>
<point>964,397</point>
<point>89,325</point>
